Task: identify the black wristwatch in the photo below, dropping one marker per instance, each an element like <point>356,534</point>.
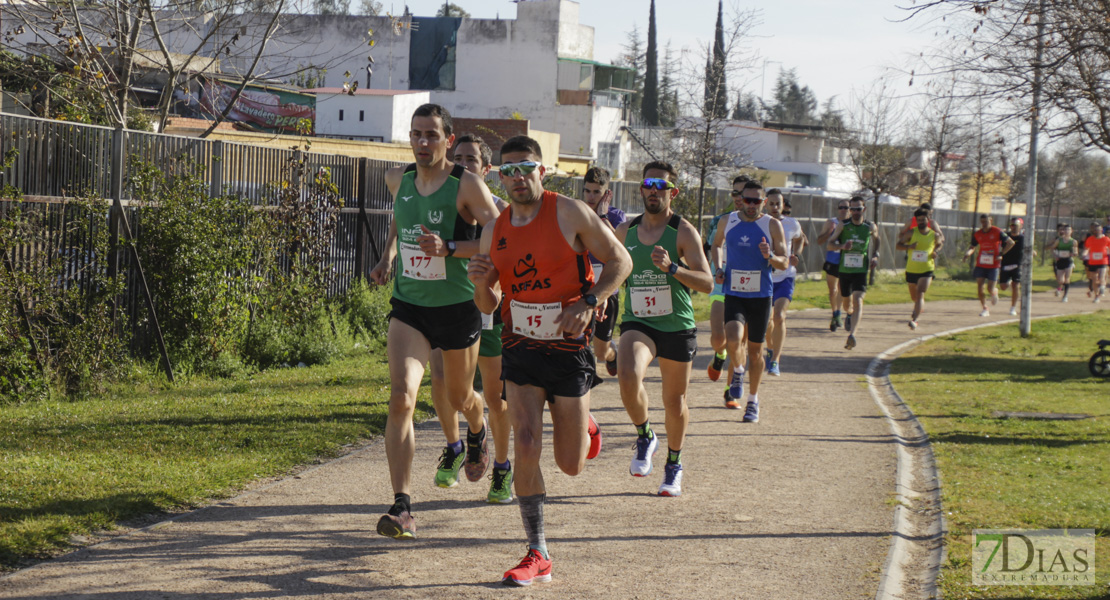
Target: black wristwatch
<point>673,269</point>
<point>590,300</point>
<point>451,247</point>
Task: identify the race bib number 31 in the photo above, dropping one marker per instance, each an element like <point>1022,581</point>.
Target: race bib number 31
<point>745,281</point>
<point>417,265</point>
<point>536,321</point>
<point>653,301</point>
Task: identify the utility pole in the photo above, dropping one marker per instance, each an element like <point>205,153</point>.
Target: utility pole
<point>1031,206</point>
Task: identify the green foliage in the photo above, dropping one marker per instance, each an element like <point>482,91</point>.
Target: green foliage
<point>276,340</point>
<point>198,254</point>
<point>367,310</point>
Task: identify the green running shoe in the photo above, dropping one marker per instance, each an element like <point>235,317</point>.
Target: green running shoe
<point>501,486</point>
<point>449,464</point>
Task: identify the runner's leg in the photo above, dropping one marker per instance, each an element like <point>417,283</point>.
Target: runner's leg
<point>448,418</point>
<point>776,333</point>
<point>632,366</point>
<point>490,367</point>
<point>458,375</point>
<point>407,351</point>
<point>857,310</point>
<point>676,380</point>
<point>570,423</point>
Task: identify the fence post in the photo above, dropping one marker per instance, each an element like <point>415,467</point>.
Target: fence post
<point>360,227</point>
<point>216,187</point>
<point>116,192</point>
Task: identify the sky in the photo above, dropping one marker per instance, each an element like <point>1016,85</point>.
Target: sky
<point>838,47</point>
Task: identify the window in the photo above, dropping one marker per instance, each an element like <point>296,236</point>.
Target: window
<point>341,114</point>
<point>998,204</point>
<point>608,156</point>
<point>361,115</point>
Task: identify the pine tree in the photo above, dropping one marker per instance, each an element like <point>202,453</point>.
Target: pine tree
<point>649,107</point>
<point>716,88</point>
<point>668,91</point>
<point>634,58</point>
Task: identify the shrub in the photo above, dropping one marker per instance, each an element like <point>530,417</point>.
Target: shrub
<point>367,308</point>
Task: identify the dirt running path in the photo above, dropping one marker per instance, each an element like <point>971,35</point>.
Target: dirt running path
<point>794,507</point>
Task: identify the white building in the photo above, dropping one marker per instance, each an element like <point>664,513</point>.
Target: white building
<point>808,160</point>
<point>371,115</point>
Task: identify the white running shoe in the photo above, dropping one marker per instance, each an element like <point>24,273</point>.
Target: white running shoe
<point>641,460</point>
<point>913,324</point>
<point>1064,299</point>
<point>994,298</point>
<point>1013,310</point>
<point>985,313</point>
<point>672,481</point>
<point>1057,292</point>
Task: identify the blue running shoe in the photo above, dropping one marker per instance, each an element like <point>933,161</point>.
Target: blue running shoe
<point>773,368</point>
<point>751,415</point>
<point>736,388</point>
<point>768,356</point>
<point>672,480</point>
<point>641,461</point>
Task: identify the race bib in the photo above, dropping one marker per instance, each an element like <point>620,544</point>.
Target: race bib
<point>853,261</point>
<point>986,259</point>
<point>745,281</point>
<point>1063,254</point>
<point>598,268</point>
<point>1096,256</point>
<point>653,301</point>
<point>487,322</point>
<point>536,321</point>
<point>919,256</point>
<point>417,265</point>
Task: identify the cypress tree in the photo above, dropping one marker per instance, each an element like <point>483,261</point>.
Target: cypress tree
<point>650,107</point>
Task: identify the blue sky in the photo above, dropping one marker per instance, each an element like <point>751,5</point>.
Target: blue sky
<point>835,45</point>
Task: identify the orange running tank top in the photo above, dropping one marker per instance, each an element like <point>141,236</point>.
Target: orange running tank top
<point>540,274</point>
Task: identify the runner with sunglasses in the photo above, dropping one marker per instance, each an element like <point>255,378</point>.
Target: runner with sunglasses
<point>782,280</point>
<point>658,319</point>
<point>537,254</point>
<point>856,240</point>
<point>717,296</point>
<point>832,267</point>
<point>597,195</point>
<point>753,243</point>
<point>437,207</point>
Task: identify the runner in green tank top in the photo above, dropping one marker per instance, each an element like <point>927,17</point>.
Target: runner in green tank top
<point>1064,248</point>
<point>855,239</point>
<point>436,209</point>
<point>658,320</point>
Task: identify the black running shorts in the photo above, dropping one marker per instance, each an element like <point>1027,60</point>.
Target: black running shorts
<point>754,313</point>
<point>852,282</point>
<point>913,278</point>
<point>679,346</point>
<point>569,374</point>
<point>1006,276</point>
<point>603,330</point>
<point>451,327</point>
<point>832,268</point>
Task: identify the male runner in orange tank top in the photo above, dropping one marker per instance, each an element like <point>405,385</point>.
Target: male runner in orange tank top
<point>536,254</point>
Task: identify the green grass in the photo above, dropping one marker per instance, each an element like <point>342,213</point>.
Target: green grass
<point>891,288</point>
<point>71,468</point>
<point>1010,473</point>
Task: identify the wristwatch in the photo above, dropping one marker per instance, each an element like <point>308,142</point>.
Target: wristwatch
<point>672,269</point>
<point>590,300</point>
<point>451,247</point>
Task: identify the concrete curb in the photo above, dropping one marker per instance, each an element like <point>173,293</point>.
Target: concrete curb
<point>918,485</point>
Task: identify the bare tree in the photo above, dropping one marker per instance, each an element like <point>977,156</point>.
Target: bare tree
<point>701,125</point>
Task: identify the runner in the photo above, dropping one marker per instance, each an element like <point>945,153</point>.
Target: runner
<point>1011,263</point>
<point>1096,251</point>
<point>832,267</point>
<point>436,206</point>
<point>717,296</point>
<point>596,193</point>
<point>1064,248</point>
<point>923,245</point>
<point>536,253</point>
<point>854,239</point>
<point>753,245</point>
<point>658,320</point>
<point>992,243</point>
<point>782,281</point>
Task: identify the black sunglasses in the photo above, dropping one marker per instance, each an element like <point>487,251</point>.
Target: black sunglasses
<point>856,209</point>
<point>842,208</point>
<point>753,200</point>
<point>785,212</point>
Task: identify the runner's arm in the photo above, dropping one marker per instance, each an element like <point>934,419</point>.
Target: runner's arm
<point>476,202</point>
<point>381,271</point>
<point>696,274</point>
<point>826,231</point>
<point>778,258</point>
<point>878,244</point>
<point>576,217</point>
<point>834,238</point>
<point>484,276</point>
<point>1010,243</point>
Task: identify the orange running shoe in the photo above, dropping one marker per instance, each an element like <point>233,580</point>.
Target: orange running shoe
<point>714,368</point>
<point>534,567</point>
<point>595,439</point>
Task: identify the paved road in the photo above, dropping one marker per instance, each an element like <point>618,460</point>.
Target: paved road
<point>797,506</point>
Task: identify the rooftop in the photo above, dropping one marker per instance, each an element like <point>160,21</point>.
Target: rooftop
<point>360,92</point>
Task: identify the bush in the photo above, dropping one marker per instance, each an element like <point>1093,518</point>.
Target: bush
<point>274,339</point>
<point>367,308</point>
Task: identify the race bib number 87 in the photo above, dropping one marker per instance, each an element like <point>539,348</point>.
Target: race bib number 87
<point>745,281</point>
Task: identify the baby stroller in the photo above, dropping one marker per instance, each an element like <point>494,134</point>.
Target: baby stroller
<point>1100,361</point>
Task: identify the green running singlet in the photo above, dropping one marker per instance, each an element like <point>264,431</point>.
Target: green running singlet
<point>652,296</point>
<point>430,280</point>
<point>855,260</point>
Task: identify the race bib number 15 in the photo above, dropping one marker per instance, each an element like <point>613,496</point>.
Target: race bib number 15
<point>536,321</point>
